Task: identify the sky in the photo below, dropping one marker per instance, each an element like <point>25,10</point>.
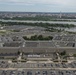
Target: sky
<point>38,5</point>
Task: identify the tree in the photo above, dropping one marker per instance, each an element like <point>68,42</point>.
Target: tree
<point>33,37</point>
<point>40,37</point>
<point>18,53</point>
<point>63,53</point>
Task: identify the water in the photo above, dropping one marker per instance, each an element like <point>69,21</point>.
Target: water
<point>51,22</point>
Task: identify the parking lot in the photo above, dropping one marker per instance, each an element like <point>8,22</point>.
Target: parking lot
<point>38,72</point>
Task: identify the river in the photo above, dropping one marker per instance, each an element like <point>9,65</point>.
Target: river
<point>51,22</point>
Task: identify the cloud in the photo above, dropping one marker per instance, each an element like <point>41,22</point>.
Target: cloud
<point>38,5</point>
<point>63,2</point>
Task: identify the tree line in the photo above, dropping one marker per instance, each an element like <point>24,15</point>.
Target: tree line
<point>38,37</point>
<point>37,24</point>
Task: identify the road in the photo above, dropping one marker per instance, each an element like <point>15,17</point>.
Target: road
<point>38,68</point>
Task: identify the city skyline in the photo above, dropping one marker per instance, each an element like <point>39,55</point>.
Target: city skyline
<point>38,5</point>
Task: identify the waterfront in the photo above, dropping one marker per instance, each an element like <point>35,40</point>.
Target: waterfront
<point>51,22</point>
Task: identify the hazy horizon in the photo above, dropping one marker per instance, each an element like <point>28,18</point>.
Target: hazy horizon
<point>38,5</point>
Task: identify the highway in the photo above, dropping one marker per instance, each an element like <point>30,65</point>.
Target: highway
<point>38,68</point>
